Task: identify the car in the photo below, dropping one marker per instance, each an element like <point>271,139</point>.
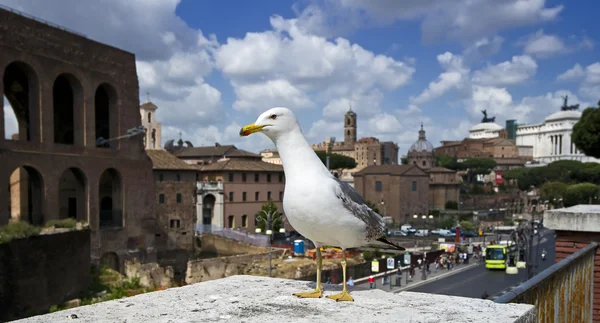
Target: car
<point>435,231</point>
<point>468,234</point>
<point>397,233</point>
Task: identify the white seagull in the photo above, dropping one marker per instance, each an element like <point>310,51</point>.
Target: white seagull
<point>318,205</point>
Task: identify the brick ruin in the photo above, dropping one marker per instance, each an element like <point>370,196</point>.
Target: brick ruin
<point>67,91</point>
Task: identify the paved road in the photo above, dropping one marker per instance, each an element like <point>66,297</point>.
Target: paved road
<point>477,280</point>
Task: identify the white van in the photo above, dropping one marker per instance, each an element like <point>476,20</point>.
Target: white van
<point>422,233</point>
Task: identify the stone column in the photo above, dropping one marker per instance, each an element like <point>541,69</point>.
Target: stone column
<point>575,228</point>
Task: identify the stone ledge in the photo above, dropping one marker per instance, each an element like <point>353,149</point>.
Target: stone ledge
<point>581,218</point>
<point>262,299</point>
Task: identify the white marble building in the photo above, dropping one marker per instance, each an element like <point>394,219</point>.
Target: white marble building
<point>551,139</point>
<point>485,130</point>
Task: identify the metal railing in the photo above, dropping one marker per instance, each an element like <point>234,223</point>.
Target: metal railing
<point>563,292</point>
<point>46,22</point>
<point>238,235</point>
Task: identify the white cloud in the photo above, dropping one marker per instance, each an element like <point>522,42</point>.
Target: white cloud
<point>518,70</point>
<point>11,126</point>
<point>289,66</point>
<point>172,58</point>
<point>455,77</point>
<point>589,78</point>
<point>574,73</point>
<point>542,45</point>
<point>465,20</point>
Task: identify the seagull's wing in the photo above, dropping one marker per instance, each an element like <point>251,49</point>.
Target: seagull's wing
<point>355,203</point>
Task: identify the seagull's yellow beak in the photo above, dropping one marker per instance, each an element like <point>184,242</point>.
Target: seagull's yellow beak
<point>250,129</point>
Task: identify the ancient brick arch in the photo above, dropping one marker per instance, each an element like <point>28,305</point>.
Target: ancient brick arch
<point>21,89</point>
<point>72,195</point>
<point>110,197</point>
<point>26,195</point>
<point>106,113</point>
<point>67,106</point>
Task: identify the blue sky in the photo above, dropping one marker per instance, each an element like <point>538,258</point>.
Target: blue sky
<point>212,66</point>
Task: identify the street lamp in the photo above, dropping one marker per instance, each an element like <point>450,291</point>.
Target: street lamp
<point>269,220</point>
<point>329,141</point>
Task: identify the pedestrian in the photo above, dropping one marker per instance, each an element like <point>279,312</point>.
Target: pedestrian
<point>419,261</point>
<point>351,282</point>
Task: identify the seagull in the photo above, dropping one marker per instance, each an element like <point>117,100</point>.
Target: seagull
<point>325,210</point>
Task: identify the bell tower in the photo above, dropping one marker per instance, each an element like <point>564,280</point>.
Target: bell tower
<point>350,127</point>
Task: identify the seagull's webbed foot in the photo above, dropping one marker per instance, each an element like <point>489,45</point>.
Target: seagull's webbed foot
<point>317,293</point>
<point>344,296</point>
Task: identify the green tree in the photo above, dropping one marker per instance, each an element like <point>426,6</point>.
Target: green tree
<point>479,166</point>
<point>373,207</point>
<point>449,162</point>
<point>451,205</point>
<point>276,217</point>
<point>553,190</point>
<point>404,160</point>
<point>337,161</point>
<point>586,132</point>
<point>582,193</point>
<point>562,170</point>
<point>467,226</point>
<point>444,161</point>
<point>590,172</point>
<point>447,223</point>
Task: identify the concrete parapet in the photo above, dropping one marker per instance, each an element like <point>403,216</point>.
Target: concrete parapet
<point>261,299</point>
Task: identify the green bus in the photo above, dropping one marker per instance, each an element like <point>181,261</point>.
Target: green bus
<point>496,257</point>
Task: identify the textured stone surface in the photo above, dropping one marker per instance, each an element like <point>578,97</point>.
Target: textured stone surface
<point>582,218</point>
<point>260,299</point>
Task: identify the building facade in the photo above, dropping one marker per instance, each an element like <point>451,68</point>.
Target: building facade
<point>399,191</point>
<point>152,128</point>
<point>175,200</point>
<point>444,186</point>
<point>207,154</point>
<point>551,139</point>
<point>366,151</point>
<point>72,98</point>
<point>232,191</point>
<point>271,156</point>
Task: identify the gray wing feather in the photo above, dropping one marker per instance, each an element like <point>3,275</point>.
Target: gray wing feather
<point>355,203</point>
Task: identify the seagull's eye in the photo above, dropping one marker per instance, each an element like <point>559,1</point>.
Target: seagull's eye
<point>273,117</point>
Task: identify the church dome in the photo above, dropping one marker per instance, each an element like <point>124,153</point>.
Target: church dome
<point>561,115</point>
<point>421,145</point>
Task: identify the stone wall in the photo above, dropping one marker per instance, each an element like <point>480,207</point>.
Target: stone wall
<point>210,243</point>
<point>575,228</point>
<point>221,267</point>
<point>44,270</point>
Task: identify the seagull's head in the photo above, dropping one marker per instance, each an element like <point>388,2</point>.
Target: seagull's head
<point>273,123</point>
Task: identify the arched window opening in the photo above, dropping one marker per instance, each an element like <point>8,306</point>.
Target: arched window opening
<point>72,195</point>
<point>110,196</point>
<point>208,205</point>
<point>63,99</point>
<point>20,96</point>
<point>105,114</point>
<point>26,195</point>
<point>153,142</point>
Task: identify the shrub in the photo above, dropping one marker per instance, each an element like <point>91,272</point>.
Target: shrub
<point>17,230</point>
<point>68,223</point>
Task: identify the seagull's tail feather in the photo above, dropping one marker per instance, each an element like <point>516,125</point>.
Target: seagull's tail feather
<point>386,241</point>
